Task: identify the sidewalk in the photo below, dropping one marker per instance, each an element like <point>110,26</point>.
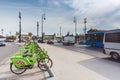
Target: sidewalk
<point>30,74</point>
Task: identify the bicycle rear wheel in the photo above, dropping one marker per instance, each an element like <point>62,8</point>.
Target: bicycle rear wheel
<point>16,70</point>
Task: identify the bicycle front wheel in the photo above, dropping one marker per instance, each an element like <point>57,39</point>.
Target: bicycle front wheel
<point>16,70</point>
<point>47,62</point>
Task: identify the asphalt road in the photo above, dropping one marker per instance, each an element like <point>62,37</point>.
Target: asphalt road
<point>92,51</point>
<point>88,50</point>
<point>8,50</point>
<point>82,63</point>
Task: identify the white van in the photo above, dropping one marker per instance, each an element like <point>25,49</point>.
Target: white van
<point>112,43</point>
<point>69,40</point>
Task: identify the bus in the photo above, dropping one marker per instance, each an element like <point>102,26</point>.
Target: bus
<point>95,39</point>
<point>111,43</point>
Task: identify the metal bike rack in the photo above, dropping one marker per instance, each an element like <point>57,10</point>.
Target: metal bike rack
<point>49,71</point>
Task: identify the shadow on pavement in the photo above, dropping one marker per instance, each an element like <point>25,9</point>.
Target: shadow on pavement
<point>48,77</point>
<point>30,74</point>
<point>94,48</point>
<point>111,59</point>
<point>23,76</point>
<point>104,67</point>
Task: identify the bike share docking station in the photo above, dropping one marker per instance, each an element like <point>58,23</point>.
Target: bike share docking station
<point>26,58</point>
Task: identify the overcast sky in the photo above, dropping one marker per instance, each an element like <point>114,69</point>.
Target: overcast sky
<point>100,14</point>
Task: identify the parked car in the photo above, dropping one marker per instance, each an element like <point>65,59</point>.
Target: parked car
<point>82,42</point>
<point>55,41</point>
<point>8,40</point>
<point>39,41</point>
<point>50,42</point>
<point>59,41</point>
<point>2,43</point>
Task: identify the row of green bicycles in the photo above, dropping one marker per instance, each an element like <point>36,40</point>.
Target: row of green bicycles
<point>28,56</point>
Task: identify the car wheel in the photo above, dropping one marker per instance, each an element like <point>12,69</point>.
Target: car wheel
<point>104,51</point>
<point>115,56</point>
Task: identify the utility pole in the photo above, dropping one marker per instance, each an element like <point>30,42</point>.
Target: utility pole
<point>10,34</point>
<point>60,34</point>
<point>43,18</point>
<point>19,27</point>
<point>2,31</point>
<point>85,21</point>
<point>75,21</point>
<point>37,29</point>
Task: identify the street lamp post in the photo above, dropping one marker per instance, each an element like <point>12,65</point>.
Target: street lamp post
<point>37,29</point>
<point>19,27</point>
<point>75,21</point>
<point>85,21</point>
<point>2,31</point>
<point>10,34</point>
<point>60,34</point>
<point>43,18</point>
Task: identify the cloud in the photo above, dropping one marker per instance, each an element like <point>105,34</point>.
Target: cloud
<point>99,12</point>
<point>91,7</point>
